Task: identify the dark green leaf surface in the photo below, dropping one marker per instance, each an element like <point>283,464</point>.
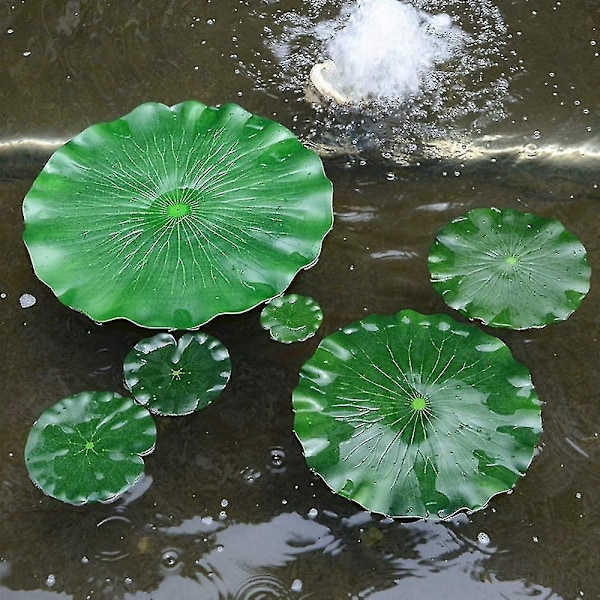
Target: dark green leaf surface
<point>416,416</point>
<point>89,447</point>
<point>291,318</point>
<point>175,378</point>
<point>509,269</point>
<point>170,216</point>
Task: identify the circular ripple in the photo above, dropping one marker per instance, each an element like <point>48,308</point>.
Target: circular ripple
<point>264,586</point>
<point>113,538</point>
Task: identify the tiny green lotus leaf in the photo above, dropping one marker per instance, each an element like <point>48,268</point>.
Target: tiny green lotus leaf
<point>88,447</point>
<point>175,378</point>
<point>170,216</point>
<point>416,416</point>
<point>509,269</point>
<point>291,318</point>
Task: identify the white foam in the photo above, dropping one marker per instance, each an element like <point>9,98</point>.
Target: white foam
<point>387,49</point>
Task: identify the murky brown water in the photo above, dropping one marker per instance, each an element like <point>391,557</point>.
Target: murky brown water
<point>227,508</point>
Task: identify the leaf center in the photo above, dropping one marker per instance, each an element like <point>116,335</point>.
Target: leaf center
<point>419,403</point>
<point>177,374</point>
<point>178,210</point>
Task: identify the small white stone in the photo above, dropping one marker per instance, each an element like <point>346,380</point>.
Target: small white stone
<point>27,300</point>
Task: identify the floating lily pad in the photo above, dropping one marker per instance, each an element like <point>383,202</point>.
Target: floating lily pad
<point>175,378</point>
<point>291,318</point>
<point>416,416</point>
<point>89,447</point>
<point>170,216</point>
<point>509,269</point>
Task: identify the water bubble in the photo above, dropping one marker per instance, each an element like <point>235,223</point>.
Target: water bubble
<point>170,560</point>
<point>296,585</point>
<point>483,538</point>
<point>51,580</point>
<point>277,460</point>
<point>250,475</point>
<point>313,513</point>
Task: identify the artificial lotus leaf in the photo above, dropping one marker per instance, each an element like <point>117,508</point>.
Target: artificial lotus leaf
<point>170,216</point>
<point>416,416</point>
<point>509,269</point>
<point>291,318</point>
<point>176,378</point>
<point>88,447</point>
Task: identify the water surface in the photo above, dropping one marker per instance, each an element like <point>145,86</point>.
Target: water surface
<point>228,508</point>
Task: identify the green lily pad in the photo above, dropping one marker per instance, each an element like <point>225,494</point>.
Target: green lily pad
<point>170,216</point>
<point>509,269</point>
<point>175,378</point>
<point>291,318</point>
<point>89,447</point>
<point>416,416</point>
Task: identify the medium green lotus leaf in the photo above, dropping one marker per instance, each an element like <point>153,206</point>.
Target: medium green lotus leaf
<point>509,269</point>
<point>175,378</point>
<point>89,447</point>
<point>291,318</point>
<point>416,416</point>
<point>170,216</point>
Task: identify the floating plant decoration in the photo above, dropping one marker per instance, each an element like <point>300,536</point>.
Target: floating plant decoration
<point>416,416</point>
<point>170,216</point>
<point>509,269</point>
<point>89,447</point>
<point>175,378</point>
<point>291,318</point>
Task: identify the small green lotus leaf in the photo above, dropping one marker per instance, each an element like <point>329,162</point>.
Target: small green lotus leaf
<point>175,378</point>
<point>416,416</point>
<point>291,318</point>
<point>170,216</point>
<point>89,447</point>
<point>509,269</point>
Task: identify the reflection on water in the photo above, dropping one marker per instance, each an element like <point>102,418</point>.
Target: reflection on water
<point>227,508</point>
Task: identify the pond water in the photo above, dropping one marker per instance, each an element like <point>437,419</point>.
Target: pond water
<point>227,507</point>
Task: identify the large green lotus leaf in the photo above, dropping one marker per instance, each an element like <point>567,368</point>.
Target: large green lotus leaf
<point>175,378</point>
<point>509,269</point>
<point>416,416</point>
<point>291,318</point>
<point>170,216</point>
<point>89,447</point>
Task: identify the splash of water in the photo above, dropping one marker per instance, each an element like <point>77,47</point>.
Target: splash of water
<point>420,74</point>
<point>387,50</point>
